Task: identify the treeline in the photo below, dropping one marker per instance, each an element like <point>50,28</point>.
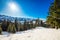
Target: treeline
<point>12,27</point>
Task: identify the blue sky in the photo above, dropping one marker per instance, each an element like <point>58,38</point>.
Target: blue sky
<point>28,8</point>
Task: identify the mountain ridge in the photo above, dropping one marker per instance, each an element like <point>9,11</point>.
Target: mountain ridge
<point>2,17</point>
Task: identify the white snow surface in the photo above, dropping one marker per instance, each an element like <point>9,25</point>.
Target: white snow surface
<point>38,33</point>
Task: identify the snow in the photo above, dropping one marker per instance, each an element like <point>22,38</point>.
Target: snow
<point>38,33</point>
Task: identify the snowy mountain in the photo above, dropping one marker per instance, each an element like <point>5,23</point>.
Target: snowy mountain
<point>2,17</point>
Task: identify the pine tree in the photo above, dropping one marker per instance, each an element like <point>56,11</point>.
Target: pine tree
<point>25,25</point>
<point>8,22</point>
<point>16,24</point>
<point>53,18</point>
<point>21,27</point>
<point>0,29</point>
<point>41,23</point>
<point>4,25</point>
<point>37,22</point>
<point>11,28</point>
<point>31,24</point>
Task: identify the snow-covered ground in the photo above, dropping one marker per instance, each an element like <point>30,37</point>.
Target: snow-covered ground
<point>38,33</point>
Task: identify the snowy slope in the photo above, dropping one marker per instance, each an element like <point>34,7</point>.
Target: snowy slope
<point>38,33</point>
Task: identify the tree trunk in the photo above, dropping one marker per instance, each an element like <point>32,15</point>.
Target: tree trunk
<point>56,27</point>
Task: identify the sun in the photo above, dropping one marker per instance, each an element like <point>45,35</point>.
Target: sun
<point>13,6</point>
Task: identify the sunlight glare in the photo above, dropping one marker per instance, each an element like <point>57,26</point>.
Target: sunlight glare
<point>13,6</point>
